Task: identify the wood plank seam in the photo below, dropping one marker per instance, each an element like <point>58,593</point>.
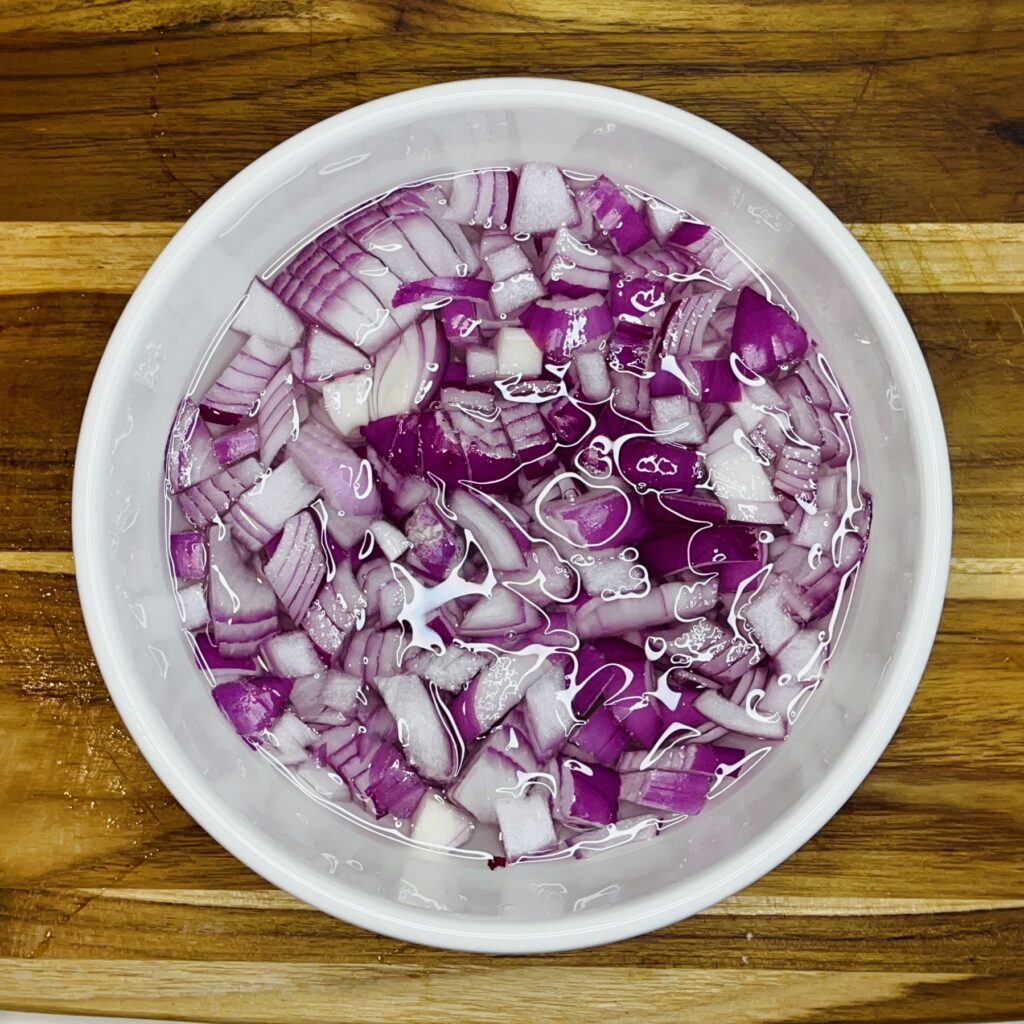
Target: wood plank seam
<point>735,906</point>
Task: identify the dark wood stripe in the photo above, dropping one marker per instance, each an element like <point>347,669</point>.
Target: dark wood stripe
<point>137,929</point>
<point>52,343</point>
<point>912,830</point>
<point>144,126</point>
<point>51,346</point>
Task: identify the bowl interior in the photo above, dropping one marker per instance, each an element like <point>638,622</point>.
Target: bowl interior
<point>350,870</point>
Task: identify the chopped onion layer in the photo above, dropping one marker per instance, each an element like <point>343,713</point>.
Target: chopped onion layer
<point>516,511</point>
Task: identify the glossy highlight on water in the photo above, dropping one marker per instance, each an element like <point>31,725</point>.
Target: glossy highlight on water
<point>515,514</point>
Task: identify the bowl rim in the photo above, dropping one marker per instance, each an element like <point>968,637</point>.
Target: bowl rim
<point>477,933</point>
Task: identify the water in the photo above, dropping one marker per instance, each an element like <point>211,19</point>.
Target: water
<point>631,541</point>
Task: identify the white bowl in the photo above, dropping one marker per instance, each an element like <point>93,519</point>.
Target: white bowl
<point>352,872</point>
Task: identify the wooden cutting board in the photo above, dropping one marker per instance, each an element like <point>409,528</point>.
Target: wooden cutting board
<point>118,118</point>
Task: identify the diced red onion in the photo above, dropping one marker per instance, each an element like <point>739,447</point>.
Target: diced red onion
<point>442,247</point>
<point>235,445</point>
<point>525,824</point>
<point>252,705</point>
<point>685,322</point>
<point>239,387</point>
<point>483,198</point>
<point>637,300</point>
<point>219,667</point>
<point>513,294</point>
<point>451,670</point>
<point>190,456</point>
<point>195,611</point>
<point>297,567</point>
<point>281,410</point>
<point>263,510</point>
<point>572,267</point>
<point>380,776</point>
<point>493,692</point>
<point>738,719</point>
<point>461,323</point>
<point>657,465</point>
<point>292,655</point>
<point>606,516</point>
<point>212,498</point>
<point>591,372</point>
<point>688,233</point>
<point>440,287</point>
<point>765,336</point>
<point>653,463</point>
<point>327,697</point>
<point>422,732</point>
<point>502,613</point>
<point>325,357</point>
<point>542,201</point>
<point>188,555</point>
<point>264,315</point>
<point>719,260</point>
<point>614,215</point>
<point>517,353</point>
<point>408,372</point>
<point>345,479</point>
<point>242,605</point>
<point>602,737</point>
<point>437,823</point>
<point>587,794</point>
<point>548,717</point>
<point>678,792</point>
<point>676,419</point>
<point>494,767</point>
<point>563,325</point>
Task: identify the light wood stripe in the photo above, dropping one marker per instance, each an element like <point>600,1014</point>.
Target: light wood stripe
<point>986,579</point>
<point>744,905</point>
<point>57,563</point>
<point>62,256</point>
<point>459,989</point>
<point>471,16</point>
<point>112,256</point>
<point>934,258</point>
<point>970,579</point>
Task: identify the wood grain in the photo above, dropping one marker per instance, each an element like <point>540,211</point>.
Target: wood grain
<point>118,117</point>
<point>464,991</point>
<point>112,256</point>
<point>159,119</point>
<point>979,579</point>
<point>288,16</point>
<point>59,563</point>
<point>973,344</point>
<point>117,826</point>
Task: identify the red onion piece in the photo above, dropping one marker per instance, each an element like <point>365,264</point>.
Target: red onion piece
<point>614,215</point>
<point>297,567</point>
<point>190,457</point>
<point>242,604</point>
<point>235,392</point>
<point>764,336</point>
<point>188,555</point>
<point>252,705</point>
<point>439,287</point>
<point>542,201</point>
<point>561,325</point>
